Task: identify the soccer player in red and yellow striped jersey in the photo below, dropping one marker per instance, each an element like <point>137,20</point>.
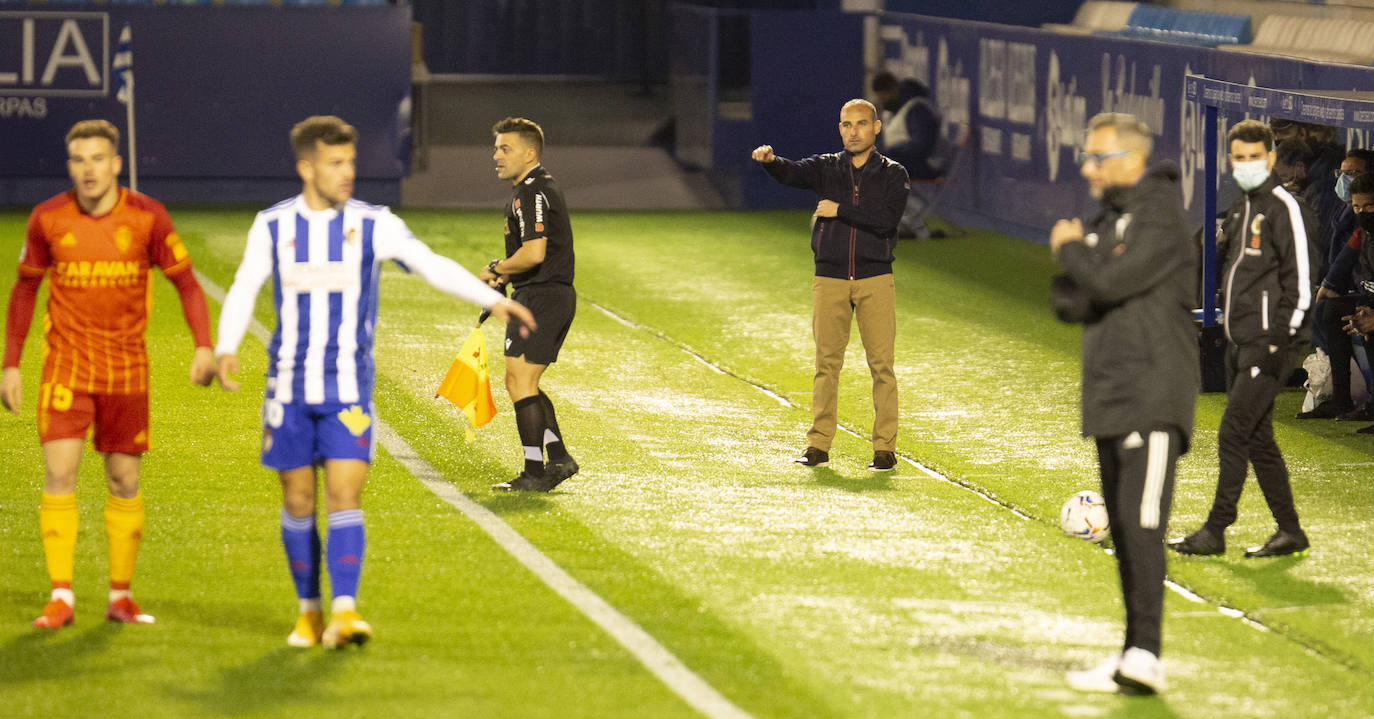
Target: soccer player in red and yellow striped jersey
<point>97,243</point>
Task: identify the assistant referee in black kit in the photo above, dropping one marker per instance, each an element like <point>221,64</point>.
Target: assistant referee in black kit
<point>539,267</point>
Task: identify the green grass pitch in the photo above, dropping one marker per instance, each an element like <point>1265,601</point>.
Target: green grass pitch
<point>792,592</point>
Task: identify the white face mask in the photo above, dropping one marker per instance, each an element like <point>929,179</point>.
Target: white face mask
<point>1250,175</point>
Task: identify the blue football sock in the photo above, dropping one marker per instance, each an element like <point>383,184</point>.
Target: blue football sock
<point>345,551</point>
<point>302,545</point>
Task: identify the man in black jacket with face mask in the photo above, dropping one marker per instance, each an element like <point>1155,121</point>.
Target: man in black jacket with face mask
<point>1129,280</point>
<point>1267,292</point>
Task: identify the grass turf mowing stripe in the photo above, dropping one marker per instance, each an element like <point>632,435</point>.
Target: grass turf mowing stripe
<point>933,474</point>
<point>654,656</point>
<point>1319,649</point>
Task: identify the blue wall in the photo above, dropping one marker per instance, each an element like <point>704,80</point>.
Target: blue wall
<point>611,39</point>
<point>217,91</point>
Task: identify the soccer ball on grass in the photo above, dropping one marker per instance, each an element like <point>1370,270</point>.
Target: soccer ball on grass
<point>1084,516</point>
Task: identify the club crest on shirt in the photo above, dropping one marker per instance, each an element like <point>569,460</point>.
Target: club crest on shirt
<point>355,419</point>
<point>123,237</point>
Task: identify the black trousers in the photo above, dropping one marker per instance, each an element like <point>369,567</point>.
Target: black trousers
<point>1138,485</point>
<point>1338,344</point>
<point>1246,437</point>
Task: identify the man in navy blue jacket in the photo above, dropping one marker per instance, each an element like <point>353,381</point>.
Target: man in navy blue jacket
<point>861,198</point>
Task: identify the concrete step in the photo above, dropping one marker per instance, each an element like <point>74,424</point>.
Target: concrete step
<point>462,108</point>
<point>596,177</point>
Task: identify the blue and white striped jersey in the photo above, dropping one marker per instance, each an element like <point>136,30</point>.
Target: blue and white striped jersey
<point>325,266</point>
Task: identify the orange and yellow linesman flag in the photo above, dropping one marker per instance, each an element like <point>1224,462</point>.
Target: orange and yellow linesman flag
<point>467,383</point>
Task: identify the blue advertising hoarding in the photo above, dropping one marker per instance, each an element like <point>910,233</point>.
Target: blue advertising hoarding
<point>217,91</point>
<point>1027,95</point>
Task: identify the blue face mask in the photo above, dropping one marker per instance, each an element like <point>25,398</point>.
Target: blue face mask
<point>1250,175</point>
<point>1343,187</point>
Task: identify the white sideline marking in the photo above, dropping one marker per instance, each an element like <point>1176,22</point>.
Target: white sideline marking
<point>654,656</point>
<point>937,475</point>
<point>691,353</point>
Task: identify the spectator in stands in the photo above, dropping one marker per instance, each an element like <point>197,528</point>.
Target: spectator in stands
<point>911,136</point>
<point>1347,285</point>
<point>1355,163</point>
<point>1352,166</point>
<point>1304,168</point>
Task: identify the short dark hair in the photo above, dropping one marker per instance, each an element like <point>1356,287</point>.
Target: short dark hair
<point>320,128</point>
<point>1250,131</point>
<point>528,130</point>
<point>1363,155</point>
<point>884,81</point>
<point>1294,150</point>
<point>94,128</point>
<point>1362,185</point>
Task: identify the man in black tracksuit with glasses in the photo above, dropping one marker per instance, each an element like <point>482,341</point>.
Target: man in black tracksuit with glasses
<point>1128,278</point>
<point>1267,291</point>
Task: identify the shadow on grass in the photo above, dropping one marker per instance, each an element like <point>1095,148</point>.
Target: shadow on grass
<point>41,654</point>
<point>281,678</point>
<point>1148,707</point>
<point>869,482</point>
<point>1270,578</point>
<point>503,503</point>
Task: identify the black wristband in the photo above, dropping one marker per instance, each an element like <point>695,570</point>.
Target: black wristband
<point>491,266</point>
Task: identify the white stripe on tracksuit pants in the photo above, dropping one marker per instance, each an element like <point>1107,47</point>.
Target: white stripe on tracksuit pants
<point>1138,485</point>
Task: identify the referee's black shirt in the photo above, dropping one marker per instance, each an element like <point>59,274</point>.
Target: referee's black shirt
<point>536,210</point>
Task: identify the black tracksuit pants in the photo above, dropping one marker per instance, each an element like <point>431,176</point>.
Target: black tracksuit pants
<point>1138,485</point>
<point>1246,437</point>
<point>1339,345</point>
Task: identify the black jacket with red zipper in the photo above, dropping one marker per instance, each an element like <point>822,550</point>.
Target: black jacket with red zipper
<point>857,243</point>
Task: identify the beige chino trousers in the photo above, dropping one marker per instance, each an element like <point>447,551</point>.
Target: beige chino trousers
<point>835,303</point>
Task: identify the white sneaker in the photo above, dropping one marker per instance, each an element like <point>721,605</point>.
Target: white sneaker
<point>1140,672</point>
<point>1097,679</point>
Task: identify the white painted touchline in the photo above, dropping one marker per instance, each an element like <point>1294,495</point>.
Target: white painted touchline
<point>932,473</point>
<point>654,656</point>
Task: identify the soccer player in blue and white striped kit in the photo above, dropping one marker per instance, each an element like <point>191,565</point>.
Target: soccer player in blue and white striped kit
<point>323,251</point>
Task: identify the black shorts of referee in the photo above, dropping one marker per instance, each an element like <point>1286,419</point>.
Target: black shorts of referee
<point>553,305</point>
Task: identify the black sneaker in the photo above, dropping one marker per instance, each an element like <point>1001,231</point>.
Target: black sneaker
<point>558,470</point>
<point>1201,543</point>
<point>525,482</point>
<point>1363,413</point>
<point>1281,544</point>
<point>813,457</point>
<point>883,461</point>
<point>1330,409</point>
<point>1365,430</point>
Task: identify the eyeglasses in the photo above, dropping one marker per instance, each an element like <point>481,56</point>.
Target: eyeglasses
<point>1097,158</point>
<point>1352,174</point>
